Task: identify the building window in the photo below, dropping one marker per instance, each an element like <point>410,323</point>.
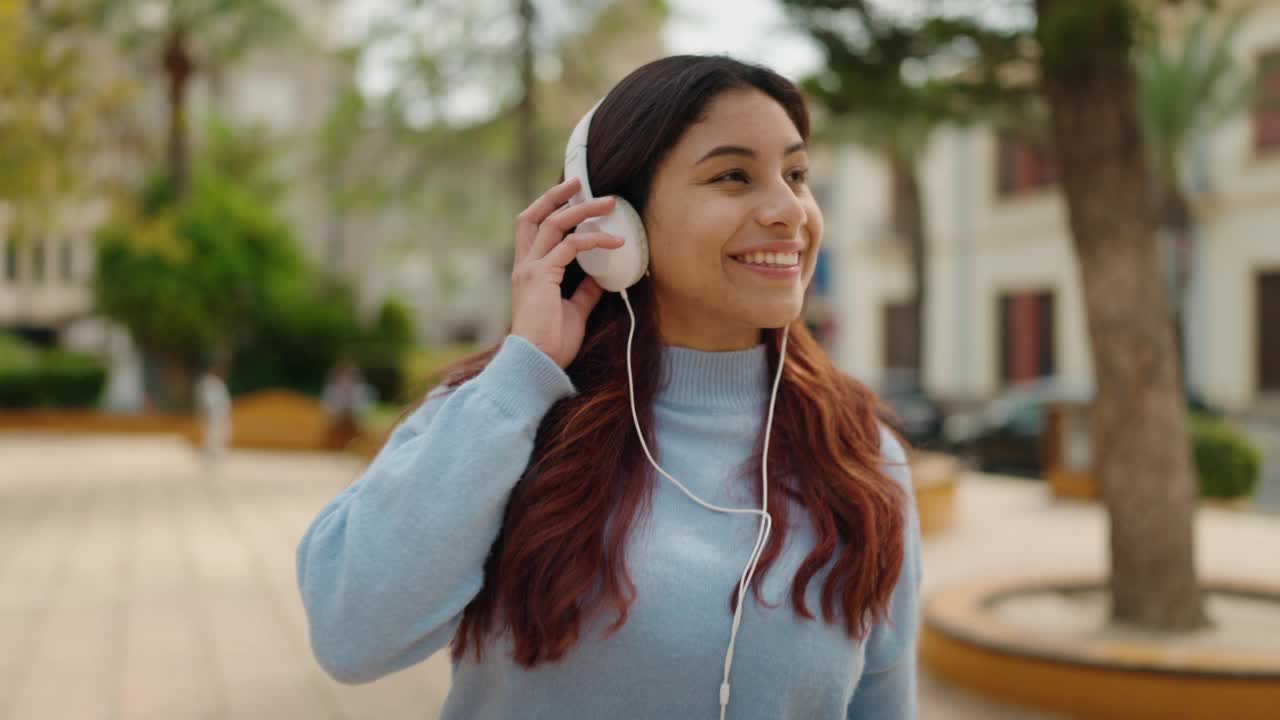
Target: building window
<point>1268,332</point>
<point>1266,115</point>
<point>11,261</point>
<point>901,350</point>
<point>68,260</point>
<point>1024,164</point>
<point>1026,336</point>
<point>38,269</point>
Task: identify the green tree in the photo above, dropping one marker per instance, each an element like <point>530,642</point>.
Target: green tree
<point>340,144</point>
<point>188,277</point>
<point>1079,58</point>
<point>459,166</point>
<point>247,152</point>
<point>61,118</point>
<point>186,37</point>
<point>880,95</point>
<point>871,103</point>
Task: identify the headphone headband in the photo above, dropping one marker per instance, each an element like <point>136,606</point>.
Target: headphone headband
<point>575,154</point>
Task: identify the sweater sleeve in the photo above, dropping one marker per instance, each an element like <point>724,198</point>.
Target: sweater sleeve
<point>387,567</point>
<point>887,688</point>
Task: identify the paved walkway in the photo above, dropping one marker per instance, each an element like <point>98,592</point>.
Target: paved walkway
<point>132,587</point>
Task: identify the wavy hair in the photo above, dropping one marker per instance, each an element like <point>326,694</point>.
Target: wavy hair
<point>559,555</point>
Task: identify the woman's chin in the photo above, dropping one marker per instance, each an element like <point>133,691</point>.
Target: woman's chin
<point>776,316</point>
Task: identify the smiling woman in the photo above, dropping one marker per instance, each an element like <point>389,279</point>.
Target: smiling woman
<point>727,202</point>
<point>513,515</point>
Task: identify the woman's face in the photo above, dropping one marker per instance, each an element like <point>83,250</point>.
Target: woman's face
<point>733,229</point>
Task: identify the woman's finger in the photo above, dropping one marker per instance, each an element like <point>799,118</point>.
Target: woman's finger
<point>565,219</point>
<point>568,249</point>
<point>528,221</point>
<point>587,295</point>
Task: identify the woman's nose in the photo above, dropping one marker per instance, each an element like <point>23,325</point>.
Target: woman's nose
<point>782,208</point>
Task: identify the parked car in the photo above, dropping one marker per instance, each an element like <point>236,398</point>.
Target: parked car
<point>915,414</point>
<point>1006,434</point>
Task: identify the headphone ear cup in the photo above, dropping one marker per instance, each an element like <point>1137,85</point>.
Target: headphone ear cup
<point>618,269</point>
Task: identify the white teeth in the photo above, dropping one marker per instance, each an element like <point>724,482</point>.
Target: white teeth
<point>771,258</point>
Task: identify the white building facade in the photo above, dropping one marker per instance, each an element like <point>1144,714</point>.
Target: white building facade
<point>1004,298</point>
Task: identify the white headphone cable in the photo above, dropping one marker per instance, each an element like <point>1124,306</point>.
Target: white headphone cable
<point>766,524</point>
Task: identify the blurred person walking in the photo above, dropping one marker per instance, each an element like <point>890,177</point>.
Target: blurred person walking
<point>346,397</point>
<point>213,405</point>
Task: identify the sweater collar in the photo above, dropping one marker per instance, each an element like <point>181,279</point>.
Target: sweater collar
<point>737,379</point>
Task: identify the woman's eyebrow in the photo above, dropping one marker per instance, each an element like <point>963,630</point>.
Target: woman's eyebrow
<point>745,151</point>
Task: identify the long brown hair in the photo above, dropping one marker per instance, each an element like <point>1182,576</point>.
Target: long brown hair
<point>559,554</point>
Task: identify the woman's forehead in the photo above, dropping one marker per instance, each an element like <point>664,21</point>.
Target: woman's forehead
<point>747,119</point>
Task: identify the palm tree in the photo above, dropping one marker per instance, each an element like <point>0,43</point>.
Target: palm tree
<point>871,104</point>
<point>1184,90</point>
<point>879,96</point>
<point>1086,49</point>
<point>188,37</point>
<point>1083,54</point>
<point>900,142</point>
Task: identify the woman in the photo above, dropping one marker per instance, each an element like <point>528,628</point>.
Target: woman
<point>515,516</point>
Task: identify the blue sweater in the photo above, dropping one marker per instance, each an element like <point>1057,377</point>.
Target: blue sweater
<point>387,567</point>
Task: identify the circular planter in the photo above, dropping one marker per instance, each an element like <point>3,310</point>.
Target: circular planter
<point>1072,485</point>
<point>1068,485</point>
<point>1098,675</point>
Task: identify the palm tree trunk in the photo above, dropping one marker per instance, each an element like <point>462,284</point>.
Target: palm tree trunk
<point>908,219</point>
<point>178,68</point>
<point>1138,421</point>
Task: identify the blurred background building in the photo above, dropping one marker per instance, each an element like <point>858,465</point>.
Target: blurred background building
<point>1004,303</point>
<point>284,92</point>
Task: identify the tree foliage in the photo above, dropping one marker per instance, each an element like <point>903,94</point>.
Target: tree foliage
<point>1186,86</point>
<point>60,118</point>
<point>186,277</point>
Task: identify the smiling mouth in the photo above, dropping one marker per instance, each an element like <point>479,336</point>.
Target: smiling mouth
<point>780,260</point>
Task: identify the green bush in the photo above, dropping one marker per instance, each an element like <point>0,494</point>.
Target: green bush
<point>1225,459</point>
<point>220,271</point>
<point>193,279</point>
<point>57,379</point>
<point>183,278</point>
<point>16,352</point>
<point>393,328</point>
<point>297,338</point>
<point>384,349</point>
<point>383,370</point>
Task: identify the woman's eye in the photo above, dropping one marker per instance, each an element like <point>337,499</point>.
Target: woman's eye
<point>797,176</point>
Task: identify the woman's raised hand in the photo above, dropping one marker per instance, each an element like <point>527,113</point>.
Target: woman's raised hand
<point>538,312</point>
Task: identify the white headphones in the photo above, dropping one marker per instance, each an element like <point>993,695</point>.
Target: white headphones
<point>615,269</point>
<point>620,268</point>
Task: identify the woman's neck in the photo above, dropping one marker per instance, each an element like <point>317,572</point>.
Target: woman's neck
<point>707,334</point>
